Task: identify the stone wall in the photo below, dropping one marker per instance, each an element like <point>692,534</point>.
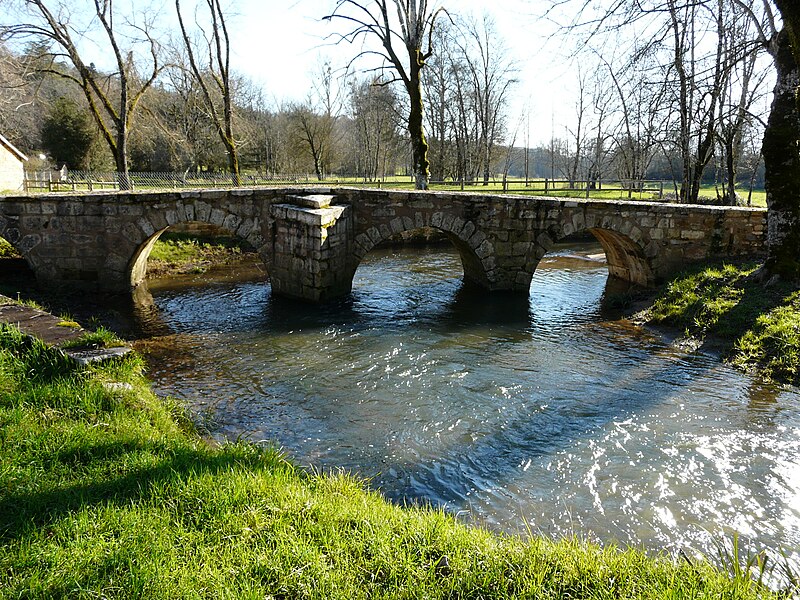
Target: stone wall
<point>501,239</point>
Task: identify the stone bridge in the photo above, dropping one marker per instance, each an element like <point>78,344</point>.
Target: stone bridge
<point>312,240</point>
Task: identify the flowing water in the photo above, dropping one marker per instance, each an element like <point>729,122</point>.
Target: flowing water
<point>541,414</point>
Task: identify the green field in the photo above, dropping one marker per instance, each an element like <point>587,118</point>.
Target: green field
<point>652,191</point>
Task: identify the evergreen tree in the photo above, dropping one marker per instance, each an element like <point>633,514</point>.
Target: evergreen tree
<point>68,134</point>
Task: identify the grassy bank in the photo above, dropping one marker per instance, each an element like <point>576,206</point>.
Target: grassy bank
<point>755,326</point>
<point>106,491</point>
<point>182,253</point>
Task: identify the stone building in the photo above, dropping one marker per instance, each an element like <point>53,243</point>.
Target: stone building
<point>12,167</point>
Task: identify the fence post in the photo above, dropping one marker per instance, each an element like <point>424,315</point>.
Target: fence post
<point>545,185</point>
<point>587,189</point>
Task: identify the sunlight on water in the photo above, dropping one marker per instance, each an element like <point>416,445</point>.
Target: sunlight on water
<point>539,413</point>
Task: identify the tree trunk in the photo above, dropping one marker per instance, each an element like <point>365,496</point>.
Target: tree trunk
<point>121,159</point>
<point>782,165</point>
<point>419,146</point>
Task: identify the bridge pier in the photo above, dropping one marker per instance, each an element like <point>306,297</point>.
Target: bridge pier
<point>311,247</point>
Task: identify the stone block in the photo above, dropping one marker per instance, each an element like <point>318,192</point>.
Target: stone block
<point>477,239</point>
<point>132,233</point>
<point>146,226</point>
<point>130,210</point>
<point>467,230</point>
<point>29,242</point>
<point>115,262</point>
<point>70,208</point>
<point>396,225</point>
<point>484,250</point>
<point>545,241</point>
<point>216,217</point>
<point>245,228</point>
<point>215,196</point>
<point>202,211</point>
<point>689,234</point>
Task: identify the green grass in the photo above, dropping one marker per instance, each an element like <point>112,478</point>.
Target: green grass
<point>110,493</point>
<point>495,186</point>
<point>7,250</point>
<point>181,253</point>
<point>99,338</point>
<point>757,326</point>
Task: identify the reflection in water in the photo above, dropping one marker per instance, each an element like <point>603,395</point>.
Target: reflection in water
<point>541,412</point>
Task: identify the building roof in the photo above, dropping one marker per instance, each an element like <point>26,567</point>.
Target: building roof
<point>11,148</point>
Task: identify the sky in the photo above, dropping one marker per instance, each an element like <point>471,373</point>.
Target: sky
<point>278,44</point>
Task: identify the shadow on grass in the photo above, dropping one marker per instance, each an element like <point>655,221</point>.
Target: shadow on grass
<point>21,512</point>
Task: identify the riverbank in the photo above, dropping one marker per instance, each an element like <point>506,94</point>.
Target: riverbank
<point>724,308</point>
<point>107,490</point>
<point>179,254</point>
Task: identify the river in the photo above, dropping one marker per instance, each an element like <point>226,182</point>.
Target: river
<point>546,414</point>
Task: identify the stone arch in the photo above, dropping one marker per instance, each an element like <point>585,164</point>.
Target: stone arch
<point>624,243</point>
<point>472,245</point>
<point>145,232</point>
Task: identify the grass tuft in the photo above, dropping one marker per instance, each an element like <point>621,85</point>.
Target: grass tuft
<point>99,338</point>
<point>757,325</point>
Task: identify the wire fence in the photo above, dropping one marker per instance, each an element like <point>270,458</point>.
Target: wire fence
<point>83,181</point>
<point>63,180</point>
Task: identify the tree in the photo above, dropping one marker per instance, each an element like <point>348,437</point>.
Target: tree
<point>780,146</point>
<point>373,111</point>
<point>416,21</point>
<point>113,101</point>
<point>492,73</point>
<point>68,134</point>
<point>314,131</point>
<point>214,77</point>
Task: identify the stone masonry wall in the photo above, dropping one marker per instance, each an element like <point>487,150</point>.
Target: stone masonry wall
<point>101,240</point>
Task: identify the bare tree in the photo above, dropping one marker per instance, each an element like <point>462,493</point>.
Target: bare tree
<point>213,76</point>
<point>737,99</point>
<point>373,117</point>
<point>407,44</point>
<point>113,101</point>
<point>314,131</point>
<point>492,72</point>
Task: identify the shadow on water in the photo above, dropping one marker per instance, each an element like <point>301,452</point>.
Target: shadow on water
<point>464,307</point>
